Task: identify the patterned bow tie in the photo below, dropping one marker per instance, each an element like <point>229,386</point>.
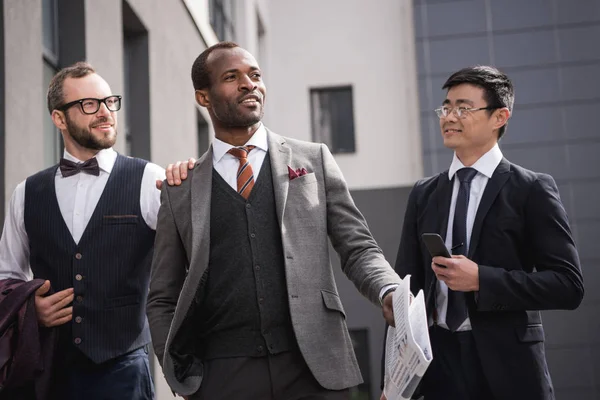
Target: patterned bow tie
<point>70,168</point>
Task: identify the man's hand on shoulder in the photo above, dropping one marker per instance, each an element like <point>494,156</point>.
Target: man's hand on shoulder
<point>177,172</point>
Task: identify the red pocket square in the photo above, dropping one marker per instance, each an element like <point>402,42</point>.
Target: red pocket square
<point>297,173</point>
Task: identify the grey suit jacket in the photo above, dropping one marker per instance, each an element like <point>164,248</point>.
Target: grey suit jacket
<point>310,209</point>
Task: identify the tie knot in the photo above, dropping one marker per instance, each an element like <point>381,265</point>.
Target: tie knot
<point>240,151</point>
<point>466,175</point>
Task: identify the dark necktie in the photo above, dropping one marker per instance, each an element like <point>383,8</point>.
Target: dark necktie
<point>245,176</point>
<point>70,168</point>
<point>457,301</point>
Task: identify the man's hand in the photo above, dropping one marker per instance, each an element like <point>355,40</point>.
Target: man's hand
<point>52,310</point>
<point>460,274</point>
<point>388,309</point>
<point>177,172</point>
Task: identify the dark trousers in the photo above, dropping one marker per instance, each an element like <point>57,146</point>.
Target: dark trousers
<point>125,377</point>
<point>455,372</point>
<point>284,376</point>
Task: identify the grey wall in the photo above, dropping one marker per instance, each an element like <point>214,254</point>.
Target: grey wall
<point>549,49</point>
<point>384,212</point>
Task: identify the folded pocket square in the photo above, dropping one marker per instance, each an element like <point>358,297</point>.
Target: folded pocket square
<point>297,173</point>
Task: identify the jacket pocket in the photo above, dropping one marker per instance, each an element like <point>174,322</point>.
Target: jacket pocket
<point>333,302</point>
<point>304,179</point>
<point>530,333</point>
<point>119,219</point>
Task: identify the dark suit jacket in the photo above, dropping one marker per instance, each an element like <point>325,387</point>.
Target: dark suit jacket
<point>527,260</point>
<point>26,350</point>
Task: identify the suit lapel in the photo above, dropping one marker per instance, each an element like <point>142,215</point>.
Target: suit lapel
<point>443,194</point>
<point>201,191</point>
<point>442,197</point>
<point>498,179</point>
<point>281,156</point>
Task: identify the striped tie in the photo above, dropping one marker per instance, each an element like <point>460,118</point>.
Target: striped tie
<point>245,176</point>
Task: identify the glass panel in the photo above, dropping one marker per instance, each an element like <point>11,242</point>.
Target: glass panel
<point>222,15</point>
<point>52,137</point>
<point>49,27</point>
<point>360,342</point>
<point>203,137</point>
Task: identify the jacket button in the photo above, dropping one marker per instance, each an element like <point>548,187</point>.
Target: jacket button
<point>77,340</point>
<point>79,299</point>
<point>78,319</point>
<point>78,277</point>
<point>78,256</point>
<point>259,349</point>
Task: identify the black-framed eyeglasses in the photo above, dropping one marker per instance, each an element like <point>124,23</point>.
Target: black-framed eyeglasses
<point>460,112</point>
<point>91,106</point>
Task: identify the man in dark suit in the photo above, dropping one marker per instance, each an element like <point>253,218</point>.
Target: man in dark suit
<point>243,302</point>
<point>513,253</point>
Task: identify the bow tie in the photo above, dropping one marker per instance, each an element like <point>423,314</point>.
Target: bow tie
<point>70,168</point>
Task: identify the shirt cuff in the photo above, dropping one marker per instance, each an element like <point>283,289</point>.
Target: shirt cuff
<point>384,290</point>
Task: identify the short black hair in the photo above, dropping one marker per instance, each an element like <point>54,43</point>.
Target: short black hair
<point>200,72</point>
<point>498,88</point>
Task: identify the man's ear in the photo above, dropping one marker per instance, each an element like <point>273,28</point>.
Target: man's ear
<point>501,117</point>
<point>60,120</point>
<point>202,98</point>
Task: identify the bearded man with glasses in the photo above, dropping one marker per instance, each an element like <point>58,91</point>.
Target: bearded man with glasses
<point>513,253</point>
<point>85,228</point>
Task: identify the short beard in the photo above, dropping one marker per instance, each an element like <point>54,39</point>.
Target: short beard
<point>84,137</point>
<point>230,117</point>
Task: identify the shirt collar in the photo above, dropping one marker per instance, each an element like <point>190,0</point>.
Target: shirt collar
<point>259,139</point>
<point>106,159</point>
<point>486,164</point>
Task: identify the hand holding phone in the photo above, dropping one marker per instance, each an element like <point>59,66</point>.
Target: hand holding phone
<point>436,246</point>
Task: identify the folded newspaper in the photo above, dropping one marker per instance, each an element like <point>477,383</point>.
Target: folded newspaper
<point>408,348</point>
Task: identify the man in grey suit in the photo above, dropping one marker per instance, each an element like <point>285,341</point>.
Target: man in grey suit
<point>243,302</point>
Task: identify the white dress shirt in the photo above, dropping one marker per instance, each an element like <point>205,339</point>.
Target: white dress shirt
<point>227,165</point>
<point>485,166</point>
<point>77,197</point>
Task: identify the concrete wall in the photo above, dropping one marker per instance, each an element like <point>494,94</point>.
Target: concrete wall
<point>350,42</point>
<point>549,49</point>
<point>23,83</point>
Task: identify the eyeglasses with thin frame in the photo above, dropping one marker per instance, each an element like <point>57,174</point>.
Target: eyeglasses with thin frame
<point>460,112</point>
<point>91,106</point>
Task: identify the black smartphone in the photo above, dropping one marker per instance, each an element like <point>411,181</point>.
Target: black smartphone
<point>436,246</point>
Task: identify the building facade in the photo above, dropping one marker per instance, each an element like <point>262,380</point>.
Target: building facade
<point>362,77</point>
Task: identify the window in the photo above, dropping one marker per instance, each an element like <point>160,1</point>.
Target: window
<point>333,118</point>
<point>360,342</point>
<point>136,95</point>
<point>53,143</point>
<point>261,42</point>
<point>222,16</point>
<point>203,138</point>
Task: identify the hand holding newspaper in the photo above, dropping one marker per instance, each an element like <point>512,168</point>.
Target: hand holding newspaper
<point>408,349</point>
